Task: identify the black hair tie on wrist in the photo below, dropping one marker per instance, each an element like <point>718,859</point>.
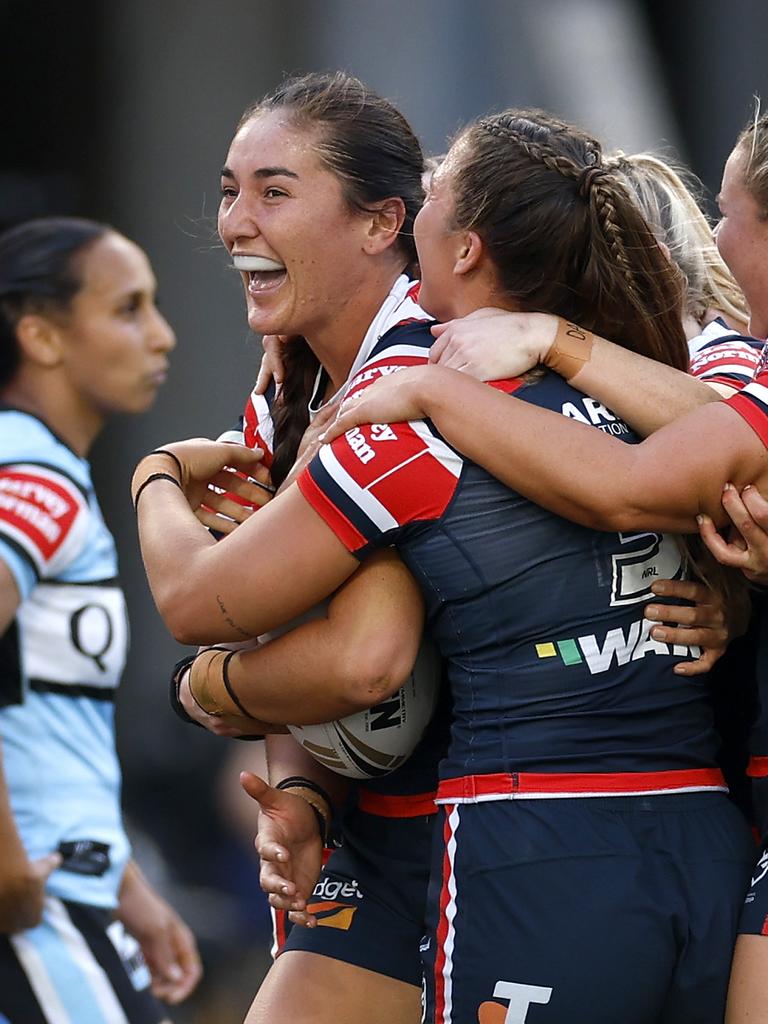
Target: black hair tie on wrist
<point>152,477</point>
<point>176,459</point>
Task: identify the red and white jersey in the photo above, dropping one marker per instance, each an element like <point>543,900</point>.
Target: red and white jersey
<point>401,306</point>
<point>722,356</point>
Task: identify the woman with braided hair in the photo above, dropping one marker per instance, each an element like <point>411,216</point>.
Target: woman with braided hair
<point>588,866</point>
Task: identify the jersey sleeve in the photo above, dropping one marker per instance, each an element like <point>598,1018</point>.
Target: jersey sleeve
<point>44,518</point>
<point>376,480</point>
<point>751,403</point>
<point>732,361</point>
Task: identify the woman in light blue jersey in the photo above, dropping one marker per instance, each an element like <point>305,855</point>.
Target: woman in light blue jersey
<point>80,339</point>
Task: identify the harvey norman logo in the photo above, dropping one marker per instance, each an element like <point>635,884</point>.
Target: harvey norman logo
<point>617,646</point>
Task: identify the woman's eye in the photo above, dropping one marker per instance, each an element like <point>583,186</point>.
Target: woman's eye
<point>227,192</point>
<point>273,193</point>
<point>131,306</point>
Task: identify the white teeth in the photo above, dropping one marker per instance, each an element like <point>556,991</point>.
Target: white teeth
<point>250,264</point>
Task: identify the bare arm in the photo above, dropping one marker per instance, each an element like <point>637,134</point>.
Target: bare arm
<point>355,655</point>
<point>570,468</point>
<point>22,881</point>
<point>491,345</point>
<point>272,568</point>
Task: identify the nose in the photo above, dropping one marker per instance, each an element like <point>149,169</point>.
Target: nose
<point>162,337</point>
<point>237,221</point>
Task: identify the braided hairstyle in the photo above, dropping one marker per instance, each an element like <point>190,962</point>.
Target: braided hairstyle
<point>563,233</point>
<point>40,263</point>
<point>369,146</point>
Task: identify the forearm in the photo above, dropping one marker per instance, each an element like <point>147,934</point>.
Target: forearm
<point>287,759</point>
<point>21,895</point>
<point>643,392</point>
<point>582,474</point>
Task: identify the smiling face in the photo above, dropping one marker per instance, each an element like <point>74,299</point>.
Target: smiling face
<point>281,203</point>
<point>114,341</point>
<point>742,239</point>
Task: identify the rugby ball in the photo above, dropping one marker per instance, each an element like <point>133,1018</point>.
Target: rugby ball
<point>374,742</point>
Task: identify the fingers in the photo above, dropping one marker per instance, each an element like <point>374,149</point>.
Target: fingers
<point>44,866</point>
<point>256,787</point>
<point>188,968</point>
<point>271,367</point>
<point>302,918</point>
<point>706,616</point>
<point>727,552</point>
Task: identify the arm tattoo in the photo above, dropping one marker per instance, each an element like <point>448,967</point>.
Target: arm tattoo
<point>229,620</point>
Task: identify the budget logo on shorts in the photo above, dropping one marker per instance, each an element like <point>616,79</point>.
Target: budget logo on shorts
<point>330,911</point>
<point>519,998</point>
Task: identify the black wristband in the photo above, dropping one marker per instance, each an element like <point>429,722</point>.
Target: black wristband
<point>164,451</point>
<point>150,478</point>
<point>176,705</point>
<point>228,685</point>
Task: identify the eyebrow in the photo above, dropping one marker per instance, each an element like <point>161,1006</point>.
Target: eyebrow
<point>263,172</point>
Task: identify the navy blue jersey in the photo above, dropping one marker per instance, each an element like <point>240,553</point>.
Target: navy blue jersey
<point>552,668</point>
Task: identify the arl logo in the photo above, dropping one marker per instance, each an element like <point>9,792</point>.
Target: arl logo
<point>520,999</point>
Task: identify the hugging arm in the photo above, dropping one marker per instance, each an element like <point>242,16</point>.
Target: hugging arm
<point>572,469</point>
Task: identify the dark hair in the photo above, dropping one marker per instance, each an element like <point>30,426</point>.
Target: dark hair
<point>39,272</point>
<point>564,234</point>
<point>372,150</point>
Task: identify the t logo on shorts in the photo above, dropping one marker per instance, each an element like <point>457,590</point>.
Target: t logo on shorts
<point>520,999</point>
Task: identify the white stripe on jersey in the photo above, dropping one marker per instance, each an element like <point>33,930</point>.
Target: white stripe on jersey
<point>757,391</point>
<point>450,915</point>
<point>372,507</point>
<point>438,449</point>
<point>264,422</point>
<point>41,979</point>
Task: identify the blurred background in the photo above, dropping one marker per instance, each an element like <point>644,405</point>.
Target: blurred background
<point>123,111</point>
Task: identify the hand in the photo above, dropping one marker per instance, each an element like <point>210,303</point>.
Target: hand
<point>746,547</point>
<point>493,344</point>
<point>223,510</point>
<point>226,726</point>
<point>21,898</point>
<point>167,943</point>
<point>289,844</point>
<point>396,398</point>
<point>702,625</point>
<point>203,463</point>
<point>271,367</point>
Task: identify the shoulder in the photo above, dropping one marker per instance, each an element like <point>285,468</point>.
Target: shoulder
<point>44,494</point>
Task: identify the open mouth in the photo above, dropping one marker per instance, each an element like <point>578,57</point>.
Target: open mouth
<point>263,273</point>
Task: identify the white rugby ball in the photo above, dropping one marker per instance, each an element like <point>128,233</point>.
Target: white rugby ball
<point>371,743</point>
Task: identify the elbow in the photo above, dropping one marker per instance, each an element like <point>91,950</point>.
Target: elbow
<point>180,609</point>
<point>369,677</point>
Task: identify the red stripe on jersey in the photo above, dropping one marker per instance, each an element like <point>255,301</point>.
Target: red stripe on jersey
<point>386,364</point>
<point>395,465</point>
<point>764,929</point>
<point>728,354</point>
<point>346,531</point>
<point>751,410</point>
<point>757,767</point>
<point>442,925</point>
<point>508,386</point>
<point>413,292</point>
<point>251,435</point>
<point>729,380</point>
<point>387,806</point>
<point>501,785</point>
<point>39,507</point>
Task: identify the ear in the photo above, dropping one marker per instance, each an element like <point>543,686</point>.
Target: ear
<point>39,339</point>
<point>384,225</point>
<point>470,253</point>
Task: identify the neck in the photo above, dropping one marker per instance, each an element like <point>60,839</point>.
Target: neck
<point>336,344</point>
<point>73,419</point>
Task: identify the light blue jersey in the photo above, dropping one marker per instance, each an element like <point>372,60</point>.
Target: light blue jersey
<point>61,660</point>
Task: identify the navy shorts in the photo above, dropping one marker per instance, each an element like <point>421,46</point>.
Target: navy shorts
<point>371,896</point>
<point>608,910</point>
<point>754,914</point>
<point>77,966</point>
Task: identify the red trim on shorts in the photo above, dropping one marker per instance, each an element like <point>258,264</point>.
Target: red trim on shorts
<point>279,922</point>
<point>386,806</point>
<point>470,788</point>
<point>757,767</point>
<point>442,924</point>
